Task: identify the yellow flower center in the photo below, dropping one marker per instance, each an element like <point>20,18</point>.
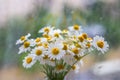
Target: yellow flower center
<point>84,35</point>
<point>74,67</point>
<point>29,60</point>
<point>60,67</point>
<point>22,38</point>
<point>81,38</point>
<point>89,39</point>
<point>45,35</point>
<point>74,37</point>
<point>55,51</point>
<point>26,44</point>
<point>75,50</point>
<point>37,40</point>
<point>52,60</point>
<point>77,57</point>
<point>100,44</point>
<point>88,45</point>
<point>38,52</point>
<point>45,45</point>
<point>46,29</point>
<point>49,38</point>
<point>45,57</point>
<point>76,27</point>
<point>56,34</point>
<point>65,47</point>
<point>65,31</point>
<point>78,45</point>
<point>40,44</point>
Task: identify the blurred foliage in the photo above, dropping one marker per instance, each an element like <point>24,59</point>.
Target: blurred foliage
<point>2,44</point>
<point>101,14</point>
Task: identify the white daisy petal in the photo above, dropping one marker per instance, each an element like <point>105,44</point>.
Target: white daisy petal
<point>76,68</point>
<point>75,30</point>
<point>26,46</point>
<point>38,51</point>
<point>46,29</point>
<point>29,61</point>
<point>100,44</point>
<point>55,51</point>
<point>23,38</point>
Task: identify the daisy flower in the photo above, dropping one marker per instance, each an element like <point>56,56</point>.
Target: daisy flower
<point>80,38</point>
<point>76,29</point>
<point>55,50</point>
<point>66,47</point>
<point>88,46</point>
<point>45,35</point>
<point>29,61</point>
<point>65,31</point>
<point>26,46</point>
<point>45,45</point>
<point>77,51</point>
<point>39,51</point>
<point>79,45</point>
<point>46,29</point>
<point>76,68</point>
<point>46,60</point>
<point>89,39</point>
<point>39,41</point>
<point>100,44</point>
<point>56,34</point>
<point>84,35</point>
<point>60,68</point>
<point>23,38</point>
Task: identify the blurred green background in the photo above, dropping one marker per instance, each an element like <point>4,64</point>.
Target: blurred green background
<point>91,14</point>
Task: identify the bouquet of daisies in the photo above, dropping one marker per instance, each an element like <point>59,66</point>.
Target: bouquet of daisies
<point>59,51</point>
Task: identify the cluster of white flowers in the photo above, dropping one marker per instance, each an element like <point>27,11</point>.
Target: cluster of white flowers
<point>56,46</point>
